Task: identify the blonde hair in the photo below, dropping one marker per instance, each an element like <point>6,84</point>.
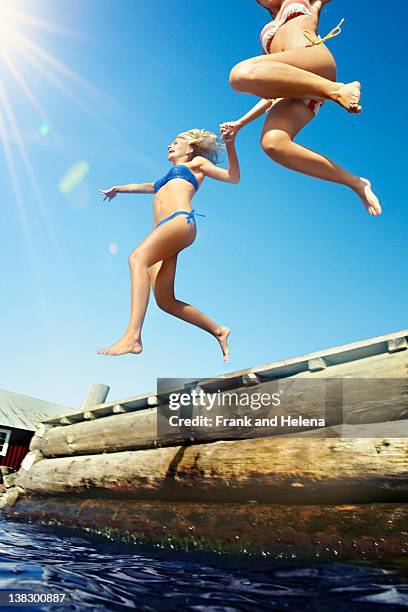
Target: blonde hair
<point>203,143</point>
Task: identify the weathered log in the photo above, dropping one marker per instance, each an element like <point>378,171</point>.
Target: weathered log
<point>284,469</point>
<point>375,532</point>
<point>376,391</point>
<point>126,431</point>
<point>116,472</point>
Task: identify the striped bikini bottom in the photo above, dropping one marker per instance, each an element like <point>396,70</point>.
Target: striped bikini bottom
<point>314,105</point>
<point>190,216</point>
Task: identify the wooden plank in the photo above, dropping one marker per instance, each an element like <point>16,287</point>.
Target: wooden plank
<point>137,403</point>
<point>333,356</point>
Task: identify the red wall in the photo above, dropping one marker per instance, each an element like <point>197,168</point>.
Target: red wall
<point>14,457</point>
<point>18,447</point>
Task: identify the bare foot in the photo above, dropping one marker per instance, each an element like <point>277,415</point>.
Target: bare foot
<point>222,337</point>
<point>348,96</point>
<point>125,345</point>
<point>368,197</point>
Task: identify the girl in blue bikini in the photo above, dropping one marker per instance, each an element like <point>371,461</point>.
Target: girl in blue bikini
<point>154,261</point>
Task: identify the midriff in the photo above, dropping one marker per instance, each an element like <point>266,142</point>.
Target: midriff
<point>175,195</point>
<point>291,34</point>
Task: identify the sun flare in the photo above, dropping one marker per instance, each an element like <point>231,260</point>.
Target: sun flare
<point>23,59</point>
<point>7,27</point>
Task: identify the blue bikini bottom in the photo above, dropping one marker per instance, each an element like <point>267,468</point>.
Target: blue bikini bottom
<point>190,216</point>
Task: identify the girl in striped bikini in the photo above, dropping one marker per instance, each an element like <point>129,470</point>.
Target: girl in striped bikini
<point>295,77</point>
<point>154,261</point>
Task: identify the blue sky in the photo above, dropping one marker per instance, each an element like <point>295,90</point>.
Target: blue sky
<point>292,264</point>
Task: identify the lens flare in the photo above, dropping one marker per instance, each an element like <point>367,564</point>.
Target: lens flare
<point>44,129</point>
<point>113,248</point>
<point>74,177</point>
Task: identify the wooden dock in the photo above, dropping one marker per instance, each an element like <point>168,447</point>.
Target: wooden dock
<point>121,459</point>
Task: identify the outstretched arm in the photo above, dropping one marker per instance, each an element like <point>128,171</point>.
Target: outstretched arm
<point>256,111</point>
<point>131,188</point>
<point>232,174</point>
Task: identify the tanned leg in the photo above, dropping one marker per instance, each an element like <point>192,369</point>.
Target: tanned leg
<point>299,73</point>
<point>283,123</point>
<point>162,277</point>
<point>163,242</point>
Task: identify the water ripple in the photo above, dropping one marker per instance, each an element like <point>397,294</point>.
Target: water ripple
<point>102,576</point>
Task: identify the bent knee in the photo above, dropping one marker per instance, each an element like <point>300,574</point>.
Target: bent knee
<point>137,258</point>
<point>242,74</point>
<point>275,142</point>
<point>132,259</point>
<point>165,302</point>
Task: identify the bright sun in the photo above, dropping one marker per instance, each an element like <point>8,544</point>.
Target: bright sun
<point>7,26</point>
<point>23,58</point>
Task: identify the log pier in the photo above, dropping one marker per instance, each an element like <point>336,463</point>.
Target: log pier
<point>122,455</point>
<point>296,468</point>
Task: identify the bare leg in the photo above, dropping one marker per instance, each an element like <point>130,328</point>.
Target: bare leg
<point>162,276</point>
<point>163,242</point>
<point>286,119</point>
<point>300,73</point>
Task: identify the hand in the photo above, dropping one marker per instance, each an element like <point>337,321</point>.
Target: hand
<point>109,193</point>
<point>319,3</point>
<point>229,130</point>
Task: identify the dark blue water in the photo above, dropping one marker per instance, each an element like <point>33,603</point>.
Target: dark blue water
<point>99,575</point>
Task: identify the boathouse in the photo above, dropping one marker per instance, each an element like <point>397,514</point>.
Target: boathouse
<point>19,418</point>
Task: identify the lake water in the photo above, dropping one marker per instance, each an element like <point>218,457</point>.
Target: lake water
<point>99,575</point>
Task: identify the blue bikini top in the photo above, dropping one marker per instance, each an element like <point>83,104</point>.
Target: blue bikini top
<point>177,172</point>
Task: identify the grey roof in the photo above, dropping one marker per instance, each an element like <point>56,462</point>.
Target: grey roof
<point>24,412</point>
